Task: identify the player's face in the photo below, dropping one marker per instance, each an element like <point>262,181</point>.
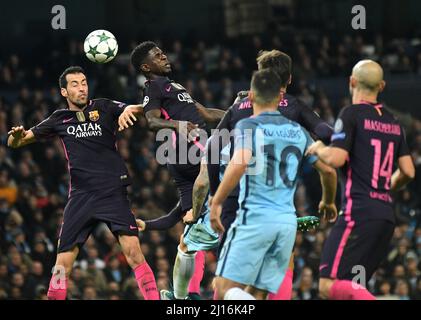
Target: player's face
<point>158,62</point>
<point>77,89</point>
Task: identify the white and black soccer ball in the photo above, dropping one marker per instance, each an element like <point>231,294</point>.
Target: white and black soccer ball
<point>100,46</point>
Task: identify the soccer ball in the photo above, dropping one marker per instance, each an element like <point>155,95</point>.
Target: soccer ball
<point>100,46</point>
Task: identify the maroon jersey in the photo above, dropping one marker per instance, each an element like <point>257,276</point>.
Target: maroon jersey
<point>89,141</point>
<point>375,140</point>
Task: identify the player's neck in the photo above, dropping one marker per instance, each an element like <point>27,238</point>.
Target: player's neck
<point>73,107</point>
<point>360,96</point>
<point>261,109</point>
<point>153,76</point>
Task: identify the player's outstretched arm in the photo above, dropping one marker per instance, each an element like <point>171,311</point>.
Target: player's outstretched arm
<point>210,114</point>
<point>332,156</point>
<point>185,128</point>
<point>129,116</point>
<point>404,174</point>
<point>19,137</point>
<point>328,179</point>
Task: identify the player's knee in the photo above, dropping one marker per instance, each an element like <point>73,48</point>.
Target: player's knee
<point>324,287</point>
<point>182,246</point>
<point>221,288</point>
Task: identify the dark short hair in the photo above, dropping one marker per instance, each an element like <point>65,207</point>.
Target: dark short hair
<point>62,81</point>
<point>278,61</point>
<point>266,86</point>
<point>140,53</point>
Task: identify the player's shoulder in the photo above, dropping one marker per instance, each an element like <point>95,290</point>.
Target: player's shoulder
<point>105,103</point>
<point>390,114</point>
<point>158,82</point>
<point>349,111</point>
<point>59,113</point>
<point>251,122</point>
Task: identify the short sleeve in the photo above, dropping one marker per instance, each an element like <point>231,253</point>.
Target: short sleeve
<point>244,134</point>
<point>116,107</point>
<point>343,136</point>
<point>403,145</point>
<point>153,97</point>
<point>45,129</point>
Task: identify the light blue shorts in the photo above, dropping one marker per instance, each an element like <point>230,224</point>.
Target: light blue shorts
<point>200,236</point>
<point>257,254</point>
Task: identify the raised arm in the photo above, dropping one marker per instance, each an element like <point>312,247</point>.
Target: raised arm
<point>19,137</point>
<point>129,116</point>
<point>210,114</point>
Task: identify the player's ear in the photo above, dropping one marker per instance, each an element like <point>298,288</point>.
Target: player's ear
<point>145,68</point>
<point>352,82</point>
<point>251,96</point>
<point>290,80</point>
<point>382,86</point>
<point>64,93</point>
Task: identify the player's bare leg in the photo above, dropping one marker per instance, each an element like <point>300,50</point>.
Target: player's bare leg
<point>343,290</point>
<point>258,294</point>
<point>61,272</point>
<point>135,258</point>
<point>231,290</point>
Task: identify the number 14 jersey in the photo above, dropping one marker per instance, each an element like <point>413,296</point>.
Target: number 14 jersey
<point>374,140</point>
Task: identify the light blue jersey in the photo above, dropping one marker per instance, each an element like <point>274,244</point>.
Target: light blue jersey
<point>260,241</point>
<point>278,146</point>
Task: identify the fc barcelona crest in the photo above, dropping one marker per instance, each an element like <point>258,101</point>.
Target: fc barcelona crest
<point>94,115</point>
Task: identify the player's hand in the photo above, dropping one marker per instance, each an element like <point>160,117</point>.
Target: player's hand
<point>312,150</point>
<point>215,218</point>
<point>188,218</point>
<point>126,119</point>
<point>328,212</point>
<point>18,132</point>
<point>188,130</point>
<point>241,95</point>
<point>141,225</point>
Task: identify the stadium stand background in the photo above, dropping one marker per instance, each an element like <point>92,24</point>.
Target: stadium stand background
<point>213,64</point>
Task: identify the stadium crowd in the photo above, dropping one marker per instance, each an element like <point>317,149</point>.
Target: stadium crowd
<point>34,179</point>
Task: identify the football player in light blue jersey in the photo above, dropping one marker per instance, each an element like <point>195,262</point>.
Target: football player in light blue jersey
<point>271,148</point>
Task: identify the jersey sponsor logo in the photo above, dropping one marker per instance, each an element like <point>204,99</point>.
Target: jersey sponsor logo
<point>94,115</point>
<point>185,97</point>
<point>85,130</point>
<point>339,126</point>
<point>145,101</point>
